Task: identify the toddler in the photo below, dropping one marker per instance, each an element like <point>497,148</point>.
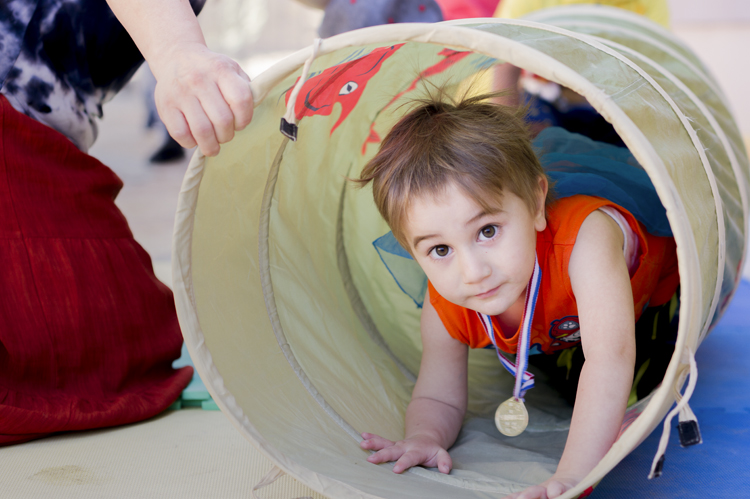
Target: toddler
<point>463,191</point>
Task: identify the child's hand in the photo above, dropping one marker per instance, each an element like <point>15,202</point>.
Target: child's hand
<point>407,453</point>
<point>202,97</point>
<point>554,487</point>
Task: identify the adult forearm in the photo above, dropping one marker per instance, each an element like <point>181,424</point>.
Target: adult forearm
<point>158,27</point>
<point>434,419</point>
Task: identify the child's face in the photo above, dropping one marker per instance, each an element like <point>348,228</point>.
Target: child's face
<point>480,261</point>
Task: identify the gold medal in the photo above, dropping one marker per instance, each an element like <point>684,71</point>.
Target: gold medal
<point>511,418</point>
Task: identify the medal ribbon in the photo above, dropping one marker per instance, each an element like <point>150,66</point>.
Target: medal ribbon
<point>524,379</point>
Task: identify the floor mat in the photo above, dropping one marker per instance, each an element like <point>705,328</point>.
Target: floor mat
<point>720,467</point>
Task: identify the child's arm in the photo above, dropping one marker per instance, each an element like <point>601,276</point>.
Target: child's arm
<point>202,97</point>
<point>438,403</point>
<point>601,284</point>
<point>506,78</point>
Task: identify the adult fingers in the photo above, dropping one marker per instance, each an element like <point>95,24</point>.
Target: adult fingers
<point>237,94</point>
<point>201,127</point>
<point>178,128</point>
<point>219,114</point>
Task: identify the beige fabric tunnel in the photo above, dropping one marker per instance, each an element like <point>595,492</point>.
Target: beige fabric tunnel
<point>299,331</point>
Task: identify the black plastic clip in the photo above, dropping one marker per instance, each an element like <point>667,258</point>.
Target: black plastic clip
<point>690,434</point>
<point>659,467</point>
<point>289,129</point>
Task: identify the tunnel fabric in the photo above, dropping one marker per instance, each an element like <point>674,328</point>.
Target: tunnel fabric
<point>337,353</point>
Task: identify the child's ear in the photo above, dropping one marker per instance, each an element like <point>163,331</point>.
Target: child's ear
<point>540,220</point>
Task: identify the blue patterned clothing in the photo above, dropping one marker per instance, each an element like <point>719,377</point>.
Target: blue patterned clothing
<point>346,15</point>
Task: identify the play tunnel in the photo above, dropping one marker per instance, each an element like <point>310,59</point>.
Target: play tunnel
<point>299,330</point>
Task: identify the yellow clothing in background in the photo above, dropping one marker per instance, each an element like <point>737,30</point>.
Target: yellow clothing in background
<point>656,10</point>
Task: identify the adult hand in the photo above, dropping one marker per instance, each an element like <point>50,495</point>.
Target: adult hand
<point>407,453</point>
<point>202,97</point>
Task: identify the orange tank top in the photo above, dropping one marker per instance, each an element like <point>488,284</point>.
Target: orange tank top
<point>555,324</point>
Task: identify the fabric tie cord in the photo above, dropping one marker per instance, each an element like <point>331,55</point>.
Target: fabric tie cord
<point>289,120</point>
<point>688,423</point>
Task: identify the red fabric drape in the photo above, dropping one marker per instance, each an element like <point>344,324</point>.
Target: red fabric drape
<point>87,332</point>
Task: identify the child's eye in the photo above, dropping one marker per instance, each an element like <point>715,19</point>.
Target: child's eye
<point>440,251</point>
<point>487,232</point>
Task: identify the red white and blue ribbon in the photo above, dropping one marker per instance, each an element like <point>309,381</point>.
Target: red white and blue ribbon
<point>524,379</point>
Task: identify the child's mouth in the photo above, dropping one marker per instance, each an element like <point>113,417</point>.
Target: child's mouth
<point>487,294</point>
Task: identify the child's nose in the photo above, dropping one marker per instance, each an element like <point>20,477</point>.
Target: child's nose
<point>474,269</point>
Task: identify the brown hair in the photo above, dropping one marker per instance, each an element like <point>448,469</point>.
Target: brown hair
<point>481,146</point>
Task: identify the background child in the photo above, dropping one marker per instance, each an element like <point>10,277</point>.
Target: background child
<point>462,190</point>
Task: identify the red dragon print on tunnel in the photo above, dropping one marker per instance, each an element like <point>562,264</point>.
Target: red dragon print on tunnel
<point>343,83</point>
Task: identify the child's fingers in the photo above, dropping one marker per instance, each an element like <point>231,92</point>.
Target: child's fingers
<point>408,460</point>
<point>555,489</point>
<point>444,461</point>
<point>534,492</point>
<point>373,436</point>
<point>374,442</point>
<point>548,490</point>
<point>386,455</point>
